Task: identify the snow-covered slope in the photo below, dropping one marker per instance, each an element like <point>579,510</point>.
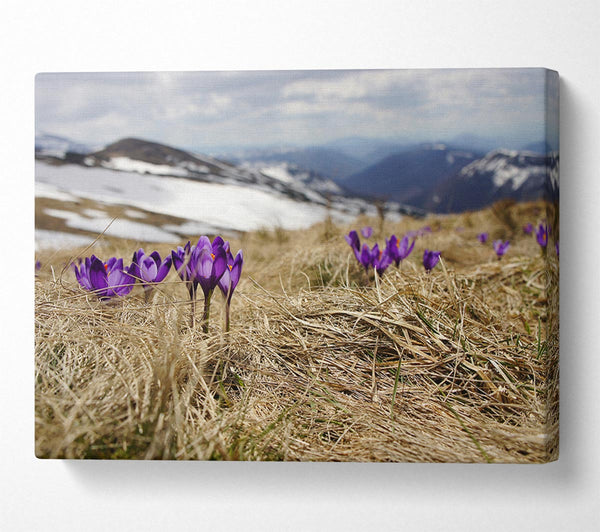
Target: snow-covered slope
<point>499,174</point>
<point>205,194</point>
<point>507,168</point>
<point>224,205</point>
<point>208,207</point>
<point>145,157</point>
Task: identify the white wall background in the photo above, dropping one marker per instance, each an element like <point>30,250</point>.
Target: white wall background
<point>187,35</point>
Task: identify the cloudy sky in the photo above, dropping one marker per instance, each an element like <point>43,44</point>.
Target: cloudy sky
<point>209,110</point>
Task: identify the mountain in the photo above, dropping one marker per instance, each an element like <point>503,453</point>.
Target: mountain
<point>324,161</point>
<point>204,194</point>
<point>146,157</point>
<point>409,175</point>
<point>499,174</point>
<point>367,150</point>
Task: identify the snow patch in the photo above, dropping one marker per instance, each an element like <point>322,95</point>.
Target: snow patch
<point>279,172</point>
<point>234,207</point>
<point>192,228</point>
<point>118,228</point>
<point>45,190</point>
<point>125,164</point>
<point>45,239</point>
<point>93,213</point>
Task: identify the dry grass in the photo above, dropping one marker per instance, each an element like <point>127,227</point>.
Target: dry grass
<point>452,366</point>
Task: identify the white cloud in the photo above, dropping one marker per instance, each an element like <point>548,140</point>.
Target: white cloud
<point>187,108</point>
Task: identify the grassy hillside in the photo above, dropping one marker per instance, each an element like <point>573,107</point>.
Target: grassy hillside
<point>456,365</point>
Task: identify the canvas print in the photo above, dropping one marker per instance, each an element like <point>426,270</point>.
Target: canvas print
<point>336,265</point>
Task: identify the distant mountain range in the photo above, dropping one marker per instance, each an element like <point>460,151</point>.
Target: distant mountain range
<point>412,178</point>
<point>201,188</point>
<point>499,174</point>
<point>409,176</point>
<point>325,161</point>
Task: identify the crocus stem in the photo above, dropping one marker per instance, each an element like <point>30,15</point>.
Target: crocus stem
<point>206,312</point>
<point>147,292</point>
<point>227,317</point>
<point>193,303</point>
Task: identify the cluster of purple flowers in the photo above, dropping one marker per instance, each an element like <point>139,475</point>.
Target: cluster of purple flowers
<point>500,247</point>
<point>542,233</point>
<point>206,264</point>
<point>209,265</point>
<point>395,251</point>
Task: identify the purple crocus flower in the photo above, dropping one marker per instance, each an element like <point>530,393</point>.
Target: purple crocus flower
<point>230,279</point>
<point>380,259</point>
<point>483,237</point>
<point>201,264</point>
<point>367,231</point>
<point>365,257</point>
<point>399,249</point>
<point>424,230</point>
<point>556,248</point>
<point>149,269</point>
<point>38,265</point>
<point>209,262</point>
<point>528,228</point>
<point>501,247</point>
<point>106,279</point>
<point>541,236</point>
<point>430,259</point>
<point>354,242</point>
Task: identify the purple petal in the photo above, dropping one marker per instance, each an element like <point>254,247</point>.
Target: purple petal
<point>375,254</point>
<point>97,276</point>
<point>156,257</point>
<point>365,256</point>
<point>83,277</point>
<point>219,264</point>
<point>217,242</point>
<point>353,240</point>
<point>178,262</point>
<point>112,263</point>
<point>134,268</point>
<point>163,270</point>
<point>203,264</point>
<point>148,269</point>
<point>430,259</point>
<point>204,242</point>
<point>225,282</point>
<point>236,269</point>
